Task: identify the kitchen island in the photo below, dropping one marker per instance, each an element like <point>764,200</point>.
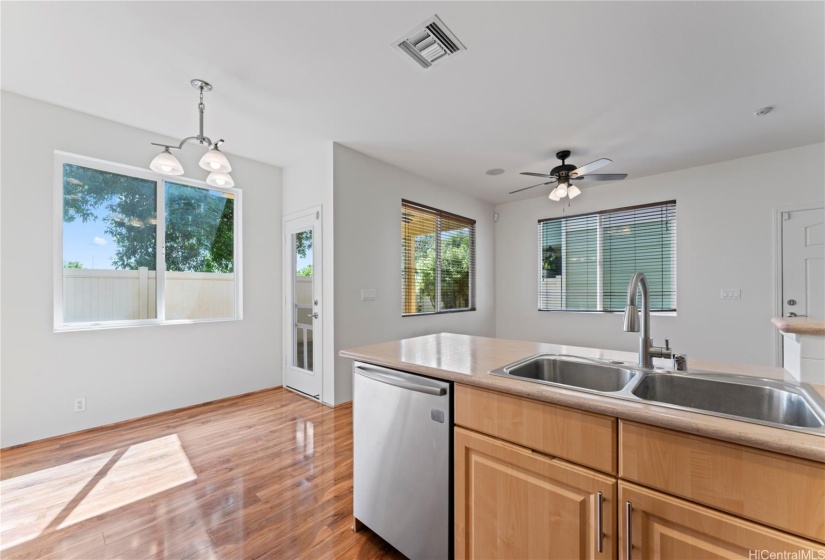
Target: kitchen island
<point>545,471</point>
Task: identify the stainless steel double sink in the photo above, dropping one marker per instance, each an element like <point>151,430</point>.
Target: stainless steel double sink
<point>763,401</point>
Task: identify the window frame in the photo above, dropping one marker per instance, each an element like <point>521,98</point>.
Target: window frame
<point>60,159</point>
<point>472,253</point>
<point>600,260</point>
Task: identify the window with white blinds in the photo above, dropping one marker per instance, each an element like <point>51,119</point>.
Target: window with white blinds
<point>437,261</point>
<point>585,262</point>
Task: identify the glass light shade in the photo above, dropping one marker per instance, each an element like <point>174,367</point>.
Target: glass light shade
<point>215,161</point>
<point>561,190</point>
<point>220,180</point>
<point>553,196</point>
<point>573,192</point>
<point>166,163</point>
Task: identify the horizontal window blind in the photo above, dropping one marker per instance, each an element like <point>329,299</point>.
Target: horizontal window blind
<point>585,262</point>
<point>437,260</point>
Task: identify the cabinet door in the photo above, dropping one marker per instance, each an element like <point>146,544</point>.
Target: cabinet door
<point>664,527</point>
<point>514,503</point>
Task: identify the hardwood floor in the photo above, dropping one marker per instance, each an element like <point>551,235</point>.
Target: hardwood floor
<point>267,475</point>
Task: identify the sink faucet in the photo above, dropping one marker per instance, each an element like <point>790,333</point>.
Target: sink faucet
<point>631,324</point>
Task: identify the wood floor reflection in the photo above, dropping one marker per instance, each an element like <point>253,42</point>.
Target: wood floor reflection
<point>267,475</point>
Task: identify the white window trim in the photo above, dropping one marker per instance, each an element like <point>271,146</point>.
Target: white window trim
<point>61,158</point>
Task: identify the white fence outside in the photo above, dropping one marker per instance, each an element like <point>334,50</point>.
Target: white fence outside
<point>303,290</point>
<point>116,295</point>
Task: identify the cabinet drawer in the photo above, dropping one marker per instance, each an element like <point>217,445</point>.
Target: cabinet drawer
<point>785,492</point>
<point>662,527</point>
<point>581,437</point>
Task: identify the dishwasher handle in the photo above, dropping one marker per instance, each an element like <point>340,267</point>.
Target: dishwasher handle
<point>387,377</point>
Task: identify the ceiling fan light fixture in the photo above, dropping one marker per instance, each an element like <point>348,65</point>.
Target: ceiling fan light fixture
<point>561,190</point>
<point>567,172</point>
<point>166,164</point>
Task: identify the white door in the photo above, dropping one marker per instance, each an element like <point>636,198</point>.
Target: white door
<point>303,369</point>
<point>803,263</point>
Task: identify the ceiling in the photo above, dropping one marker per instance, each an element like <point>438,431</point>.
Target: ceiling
<point>655,86</point>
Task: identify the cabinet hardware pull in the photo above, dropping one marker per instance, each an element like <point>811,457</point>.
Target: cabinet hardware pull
<point>599,522</point>
<point>628,545</point>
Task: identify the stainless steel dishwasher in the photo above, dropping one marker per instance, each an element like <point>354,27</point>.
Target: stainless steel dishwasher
<point>402,485</point>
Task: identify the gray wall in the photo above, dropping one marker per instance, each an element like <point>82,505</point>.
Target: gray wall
<point>129,372</point>
<point>367,195</point>
<point>725,239</point>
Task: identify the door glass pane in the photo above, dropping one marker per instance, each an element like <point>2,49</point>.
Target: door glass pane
<point>302,293</point>
<point>109,246</point>
<point>200,253</point>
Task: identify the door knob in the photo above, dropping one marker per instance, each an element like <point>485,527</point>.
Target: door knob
<point>315,315</point>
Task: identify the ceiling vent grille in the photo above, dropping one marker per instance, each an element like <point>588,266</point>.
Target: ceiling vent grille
<point>429,43</point>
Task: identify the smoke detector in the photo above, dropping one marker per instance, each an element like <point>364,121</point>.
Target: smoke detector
<point>430,42</point>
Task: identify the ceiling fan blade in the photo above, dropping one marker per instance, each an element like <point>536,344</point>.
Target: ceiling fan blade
<point>602,177</point>
<point>532,186</point>
<point>590,167</point>
<point>535,174</point>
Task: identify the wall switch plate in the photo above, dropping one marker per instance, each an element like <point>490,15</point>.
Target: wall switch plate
<point>368,294</point>
<point>80,404</point>
<point>731,293</point>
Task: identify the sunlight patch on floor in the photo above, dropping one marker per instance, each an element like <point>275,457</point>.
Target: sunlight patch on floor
<point>57,497</point>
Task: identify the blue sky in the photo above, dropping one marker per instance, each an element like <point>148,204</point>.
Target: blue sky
<point>302,262</point>
<point>88,243</point>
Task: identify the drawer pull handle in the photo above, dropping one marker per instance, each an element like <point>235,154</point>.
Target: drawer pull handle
<point>628,545</point>
<point>599,522</point>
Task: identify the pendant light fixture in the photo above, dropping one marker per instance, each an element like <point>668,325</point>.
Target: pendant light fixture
<point>213,160</point>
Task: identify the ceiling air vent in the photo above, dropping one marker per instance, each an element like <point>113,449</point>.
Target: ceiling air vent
<point>429,42</point>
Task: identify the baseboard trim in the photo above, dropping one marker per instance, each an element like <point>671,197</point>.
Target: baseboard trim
<point>141,418</point>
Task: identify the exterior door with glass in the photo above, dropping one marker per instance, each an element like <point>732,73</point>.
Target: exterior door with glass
<point>303,368</point>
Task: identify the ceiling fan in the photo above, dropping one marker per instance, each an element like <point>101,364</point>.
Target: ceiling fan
<point>565,173</point>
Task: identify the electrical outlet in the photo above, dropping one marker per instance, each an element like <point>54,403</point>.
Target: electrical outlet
<point>368,294</point>
<point>731,293</point>
<point>80,404</point>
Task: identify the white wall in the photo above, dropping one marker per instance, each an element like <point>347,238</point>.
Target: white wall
<point>308,183</point>
<point>368,197</point>
<point>123,373</point>
<point>725,239</point>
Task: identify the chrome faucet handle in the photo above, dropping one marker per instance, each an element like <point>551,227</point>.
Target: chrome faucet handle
<point>680,362</point>
<point>667,344</point>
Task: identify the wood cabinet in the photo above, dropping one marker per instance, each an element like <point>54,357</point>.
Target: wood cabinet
<point>515,503</point>
<point>664,527</point>
<point>520,492</point>
<point>581,437</point>
<point>784,492</point>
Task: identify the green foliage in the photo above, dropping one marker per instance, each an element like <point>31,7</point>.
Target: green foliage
<point>303,243</point>
<point>199,223</point>
<point>199,230</point>
<point>455,269</point>
<point>306,271</point>
<point>425,266</point>
<point>548,260</point>
<point>73,264</point>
